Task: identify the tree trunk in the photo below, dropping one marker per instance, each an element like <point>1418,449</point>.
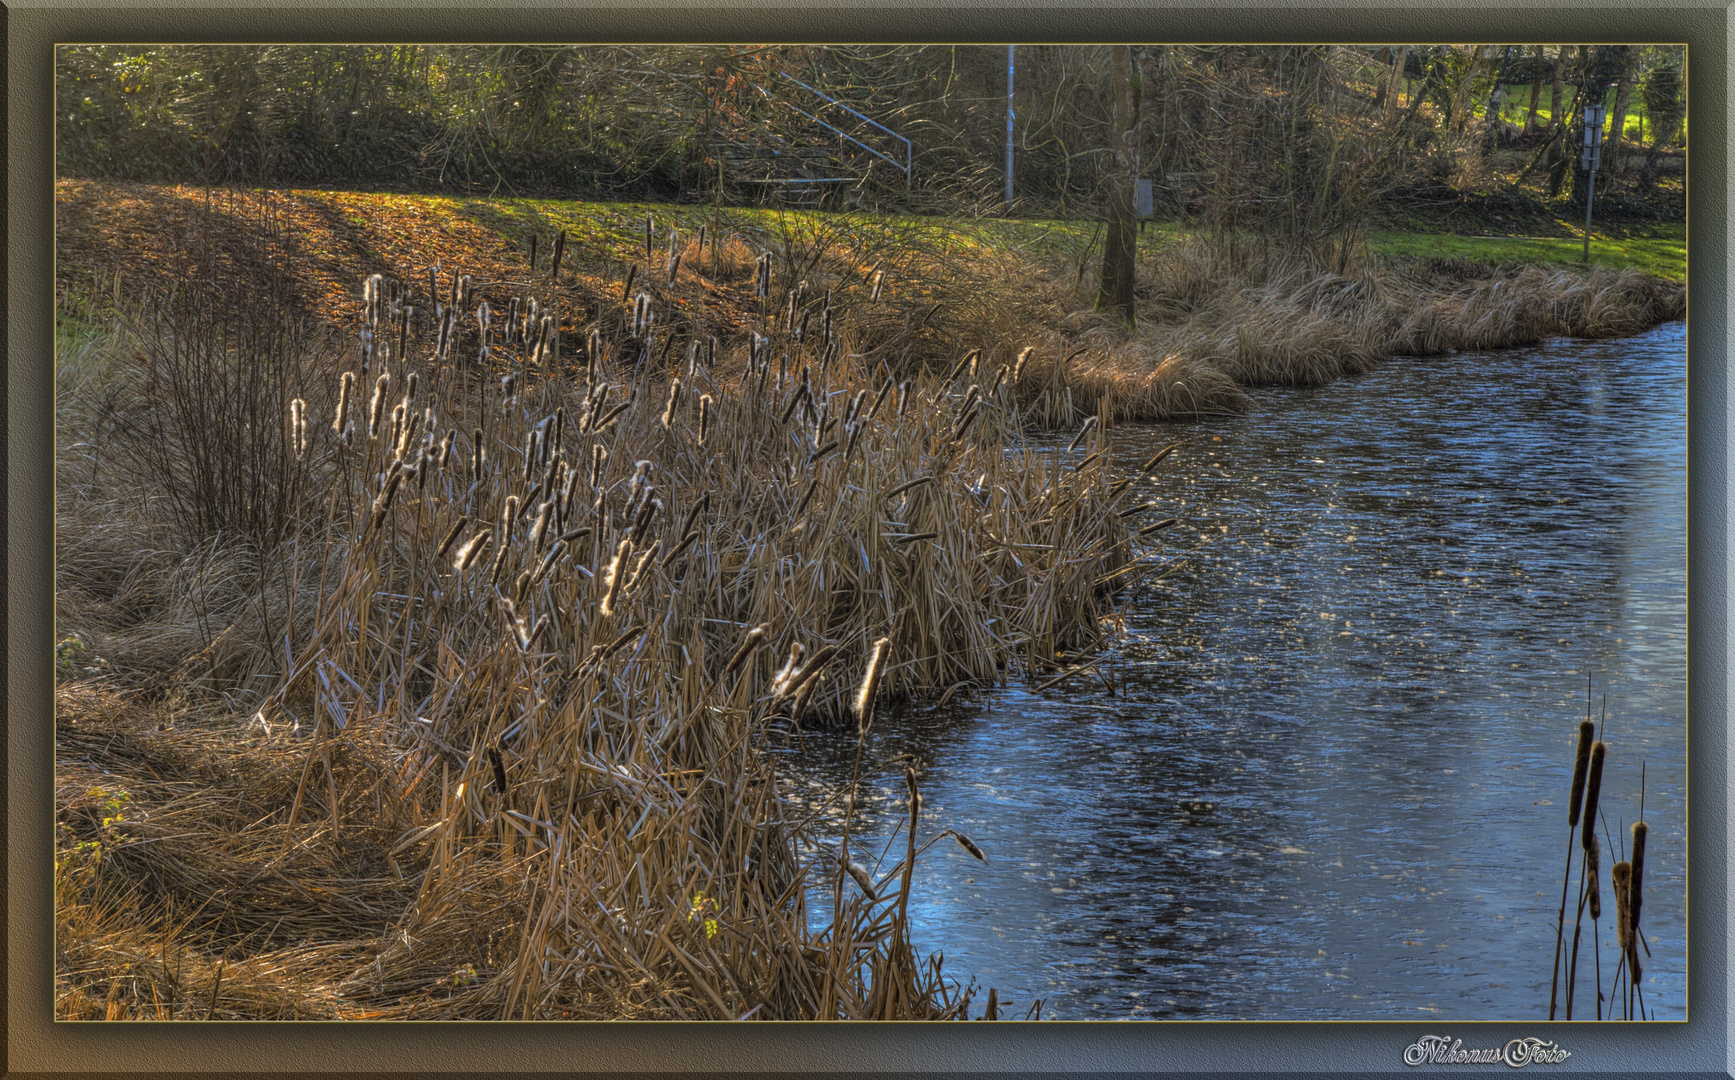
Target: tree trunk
<point>1623,99</point>
<point>1535,92</point>
<point>1120,248</point>
<point>1554,112</point>
<point>1496,99</point>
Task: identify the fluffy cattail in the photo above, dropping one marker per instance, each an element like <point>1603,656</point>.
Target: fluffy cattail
<point>554,552</point>
<point>639,568</point>
<point>863,881</point>
<point>1592,869</point>
<point>598,455</point>
<point>780,684</point>
<point>1623,880</point>
<point>748,644</point>
<point>999,374</point>
<point>870,685</point>
<point>612,580</point>
<point>410,387</point>
<point>540,528</point>
<point>376,407</point>
<point>704,417</point>
<point>647,513</point>
<point>340,423</point>
<point>1593,788</point>
<point>408,432</point>
<point>1018,366</point>
<point>1580,768</point>
<point>1083,433</point>
<point>472,547</point>
<point>969,361</point>
<point>668,417</point>
<point>1637,900</point>
<point>446,446</point>
<point>451,537</point>
<point>507,517</point>
<point>298,426</point>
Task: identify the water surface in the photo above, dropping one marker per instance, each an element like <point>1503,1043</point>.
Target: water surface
<point>1334,786</point>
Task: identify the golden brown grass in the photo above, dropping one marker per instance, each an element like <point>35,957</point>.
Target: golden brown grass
<point>344,846</point>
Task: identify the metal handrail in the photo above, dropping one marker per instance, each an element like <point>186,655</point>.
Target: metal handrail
<point>909,149</point>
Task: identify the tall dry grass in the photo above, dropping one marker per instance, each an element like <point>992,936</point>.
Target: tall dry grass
<point>534,633</point>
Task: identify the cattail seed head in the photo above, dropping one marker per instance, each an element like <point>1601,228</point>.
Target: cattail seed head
<point>508,388</point>
<point>298,427</point>
<point>540,528</point>
<point>858,873</point>
<point>1018,366</point>
<point>904,389</point>
<point>1593,788</point>
<point>1640,832</point>
<point>879,283</point>
<point>748,644</point>
<point>1580,769</point>
<point>612,580</point>
<point>451,537</point>
<point>639,568</point>
<point>1083,433</point>
<point>780,684</point>
<point>1623,881</point>
<point>870,685</point>
<point>472,548</point>
<point>340,422</point>
<point>668,417</point>
<point>1592,870</point>
<point>704,417</point>
<point>377,405</point>
<point>446,446</point>
<point>507,517</point>
<point>969,845</point>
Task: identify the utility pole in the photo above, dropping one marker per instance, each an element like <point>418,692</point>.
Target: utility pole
<point>1009,57</point>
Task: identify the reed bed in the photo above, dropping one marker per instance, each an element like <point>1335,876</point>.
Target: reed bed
<point>548,604</point>
<point>1215,317</point>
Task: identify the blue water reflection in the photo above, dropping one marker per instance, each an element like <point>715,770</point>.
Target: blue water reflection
<point>1335,787</point>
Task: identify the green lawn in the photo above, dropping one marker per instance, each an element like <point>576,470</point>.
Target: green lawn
<point>1664,254</point>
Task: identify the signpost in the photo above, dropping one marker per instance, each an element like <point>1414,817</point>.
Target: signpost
<point>1589,160</point>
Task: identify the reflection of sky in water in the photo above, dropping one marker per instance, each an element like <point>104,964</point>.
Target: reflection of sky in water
<point>1336,785</point>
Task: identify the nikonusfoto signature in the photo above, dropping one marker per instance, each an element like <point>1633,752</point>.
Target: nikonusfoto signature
<point>1443,1050</point>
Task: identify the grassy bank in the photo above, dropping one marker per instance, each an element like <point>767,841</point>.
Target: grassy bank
<point>421,682</point>
<point>1215,316</point>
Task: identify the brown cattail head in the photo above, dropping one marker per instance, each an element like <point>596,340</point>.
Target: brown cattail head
<point>780,685</point>
<point>674,400</point>
<point>298,426</point>
<point>704,417</point>
<point>1640,832</point>
<point>863,881</point>
<point>451,538</point>
<point>870,685</point>
<point>472,547</point>
<point>1592,871</point>
<point>340,423</point>
<point>1593,788</point>
<point>751,642</point>
<point>968,845</point>
<point>612,581</point>
<point>376,407</point>
<point>1623,881</point>
<point>1018,366</point>
<point>1580,768</point>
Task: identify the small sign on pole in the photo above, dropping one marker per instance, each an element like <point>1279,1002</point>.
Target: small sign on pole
<point>1590,159</point>
<point>1145,196</point>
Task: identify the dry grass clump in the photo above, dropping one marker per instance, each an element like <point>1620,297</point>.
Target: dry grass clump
<point>1216,316</point>
<point>531,628</point>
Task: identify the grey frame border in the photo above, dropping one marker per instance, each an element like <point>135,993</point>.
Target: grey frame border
<point>35,1046</point>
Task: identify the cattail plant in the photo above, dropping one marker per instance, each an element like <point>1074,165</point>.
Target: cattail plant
<point>870,685</point>
<point>1580,770</point>
<point>340,422</point>
<point>1592,791</point>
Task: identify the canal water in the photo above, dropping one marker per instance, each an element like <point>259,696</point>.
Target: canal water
<point>1333,782</point>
